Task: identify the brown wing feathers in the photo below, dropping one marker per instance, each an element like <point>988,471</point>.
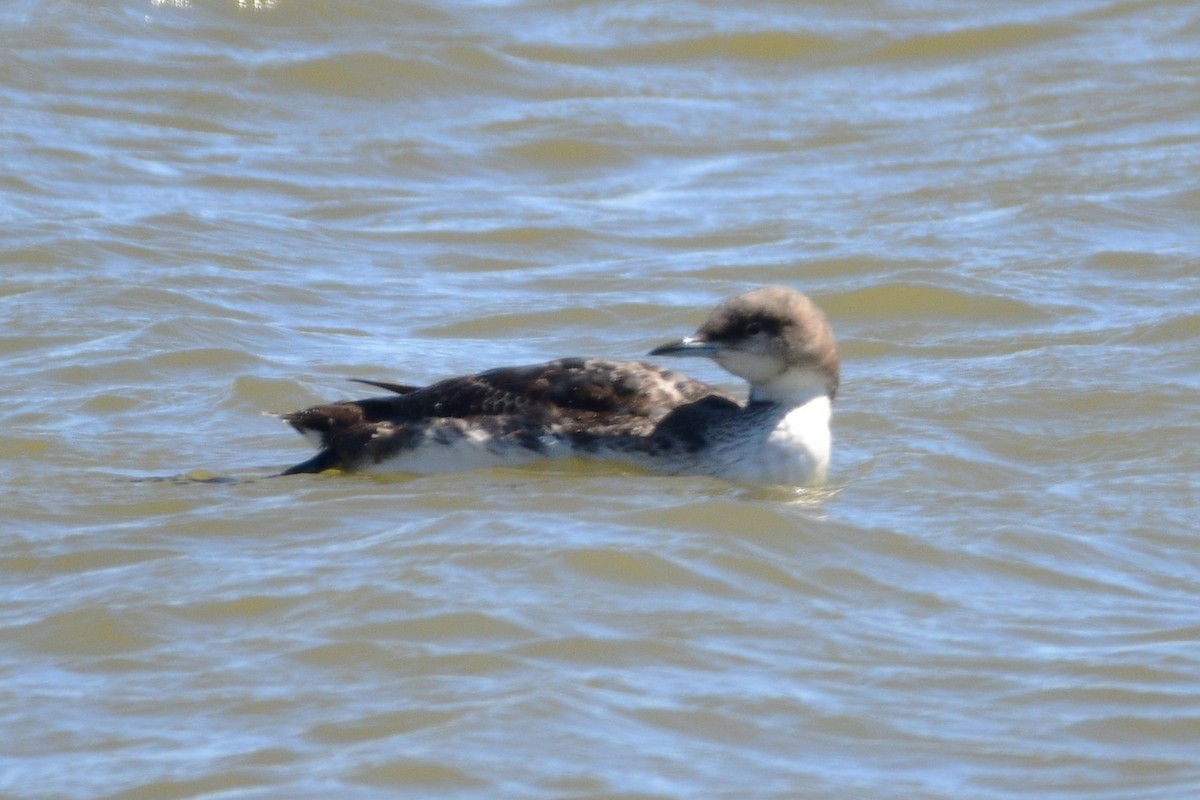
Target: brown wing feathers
<point>571,394</point>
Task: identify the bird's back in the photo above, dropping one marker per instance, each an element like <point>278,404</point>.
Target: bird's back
<point>507,415</point>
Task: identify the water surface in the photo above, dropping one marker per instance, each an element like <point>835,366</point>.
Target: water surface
<point>211,210</point>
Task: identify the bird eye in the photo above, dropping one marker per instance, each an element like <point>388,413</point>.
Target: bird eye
<point>753,329</point>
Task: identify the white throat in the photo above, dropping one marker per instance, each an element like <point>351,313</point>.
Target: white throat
<point>791,388</point>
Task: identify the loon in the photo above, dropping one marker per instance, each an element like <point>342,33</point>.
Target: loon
<point>631,411</point>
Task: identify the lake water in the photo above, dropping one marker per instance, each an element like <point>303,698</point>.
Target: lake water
<point>212,210</point>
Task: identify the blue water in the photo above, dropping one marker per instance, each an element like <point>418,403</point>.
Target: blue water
<point>215,210</point>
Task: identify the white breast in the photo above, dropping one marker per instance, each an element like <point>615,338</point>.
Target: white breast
<point>794,451</point>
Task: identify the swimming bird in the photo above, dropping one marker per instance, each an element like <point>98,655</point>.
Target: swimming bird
<point>775,338</point>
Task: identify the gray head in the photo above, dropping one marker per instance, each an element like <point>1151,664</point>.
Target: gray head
<point>775,338</point>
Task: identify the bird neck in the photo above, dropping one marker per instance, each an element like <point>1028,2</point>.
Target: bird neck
<point>791,388</point>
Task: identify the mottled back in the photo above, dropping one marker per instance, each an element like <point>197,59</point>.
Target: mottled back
<point>572,399</point>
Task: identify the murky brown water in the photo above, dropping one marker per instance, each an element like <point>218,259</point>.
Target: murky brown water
<point>210,211</point>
